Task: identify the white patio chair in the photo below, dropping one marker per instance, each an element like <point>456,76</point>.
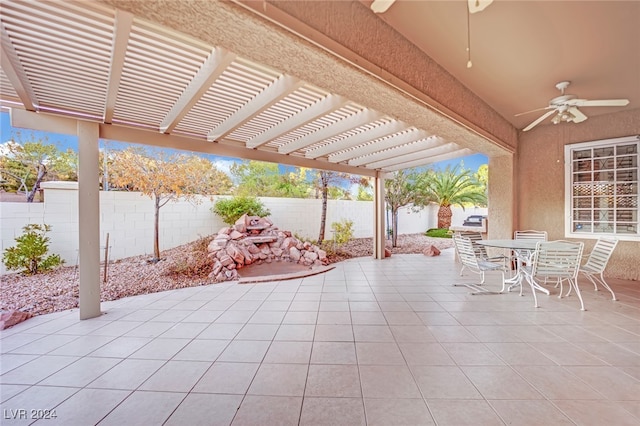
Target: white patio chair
<point>530,235</point>
<point>471,261</point>
<point>597,261</point>
<point>557,261</point>
<point>480,250</point>
<point>523,256</point>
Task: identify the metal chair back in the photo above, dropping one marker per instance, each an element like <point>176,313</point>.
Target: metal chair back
<point>470,260</point>
<point>600,255</point>
<point>597,262</point>
<point>558,261</point>
<point>466,252</point>
<point>530,235</point>
<point>475,237</point>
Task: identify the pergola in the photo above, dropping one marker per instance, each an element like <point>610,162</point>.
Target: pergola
<point>251,91</point>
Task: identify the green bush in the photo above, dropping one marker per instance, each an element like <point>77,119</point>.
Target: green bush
<point>438,233</point>
<point>231,209</point>
<point>342,231</point>
<point>30,251</point>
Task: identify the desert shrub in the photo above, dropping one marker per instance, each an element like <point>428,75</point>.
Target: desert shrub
<point>30,251</point>
<point>342,231</point>
<point>303,238</point>
<point>193,263</point>
<point>231,209</point>
<point>438,233</point>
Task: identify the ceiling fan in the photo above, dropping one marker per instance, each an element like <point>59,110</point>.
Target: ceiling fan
<point>566,107</point>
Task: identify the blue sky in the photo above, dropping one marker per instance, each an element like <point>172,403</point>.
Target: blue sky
<point>63,142</point>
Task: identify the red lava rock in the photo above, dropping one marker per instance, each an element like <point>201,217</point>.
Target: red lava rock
<point>387,252</point>
<point>431,251</point>
<point>9,319</point>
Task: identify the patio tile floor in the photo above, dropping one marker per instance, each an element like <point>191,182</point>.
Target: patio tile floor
<point>369,342</point>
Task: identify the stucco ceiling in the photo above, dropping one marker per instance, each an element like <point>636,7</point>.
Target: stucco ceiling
<point>521,49</point>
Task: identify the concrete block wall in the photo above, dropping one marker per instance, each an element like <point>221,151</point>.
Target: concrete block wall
<point>302,216</point>
<point>128,217</point>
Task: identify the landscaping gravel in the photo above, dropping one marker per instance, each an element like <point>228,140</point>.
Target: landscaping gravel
<point>183,266</point>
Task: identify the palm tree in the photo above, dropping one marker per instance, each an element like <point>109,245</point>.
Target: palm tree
<point>453,186</point>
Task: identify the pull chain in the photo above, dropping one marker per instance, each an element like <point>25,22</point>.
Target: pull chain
<point>469,64</point>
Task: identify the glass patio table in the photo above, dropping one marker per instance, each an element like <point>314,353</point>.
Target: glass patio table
<point>524,250</point>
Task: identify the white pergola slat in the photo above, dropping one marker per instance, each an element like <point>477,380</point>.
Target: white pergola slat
<point>421,146</point>
<point>431,159</point>
<point>342,126</point>
<point>211,69</point>
<point>311,113</point>
<point>398,139</point>
<point>356,139</point>
<point>269,96</point>
<point>391,160</point>
<point>15,73</point>
<point>91,61</point>
<point>121,33</point>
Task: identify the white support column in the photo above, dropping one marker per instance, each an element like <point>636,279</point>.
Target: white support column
<point>88,219</point>
<point>378,216</point>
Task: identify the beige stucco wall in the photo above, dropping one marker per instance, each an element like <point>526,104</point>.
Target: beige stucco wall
<point>540,180</point>
<point>501,192</point>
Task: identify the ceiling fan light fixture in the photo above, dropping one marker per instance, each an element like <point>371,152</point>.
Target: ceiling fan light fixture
<point>566,107</point>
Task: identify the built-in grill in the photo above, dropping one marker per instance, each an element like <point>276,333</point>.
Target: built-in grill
<point>473,220</point>
<point>476,223</point>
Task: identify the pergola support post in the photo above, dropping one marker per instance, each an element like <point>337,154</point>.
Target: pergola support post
<point>88,219</point>
<point>378,216</point>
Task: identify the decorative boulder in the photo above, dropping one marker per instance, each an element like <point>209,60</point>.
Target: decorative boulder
<point>431,251</point>
<point>11,318</point>
<point>254,239</point>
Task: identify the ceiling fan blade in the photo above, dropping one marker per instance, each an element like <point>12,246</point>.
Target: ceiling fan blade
<point>602,102</point>
<point>533,110</point>
<point>478,5</point>
<point>381,6</point>
<point>545,115</point>
<point>578,116</point>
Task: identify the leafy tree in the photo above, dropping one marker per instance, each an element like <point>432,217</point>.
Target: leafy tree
<point>30,251</point>
<point>25,165</point>
<point>166,178</point>
<point>400,191</point>
<point>265,179</point>
<point>64,166</point>
<point>294,184</point>
<point>364,193</point>
<point>255,177</point>
<point>326,180</point>
<point>338,193</point>
<point>482,177</point>
<point>231,209</point>
<point>453,186</point>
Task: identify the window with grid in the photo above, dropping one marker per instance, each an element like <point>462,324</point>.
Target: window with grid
<point>602,188</point>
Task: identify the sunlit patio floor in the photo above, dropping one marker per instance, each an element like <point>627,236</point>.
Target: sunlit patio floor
<point>369,342</point>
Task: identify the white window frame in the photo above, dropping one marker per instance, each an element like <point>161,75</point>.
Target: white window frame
<point>569,185</point>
